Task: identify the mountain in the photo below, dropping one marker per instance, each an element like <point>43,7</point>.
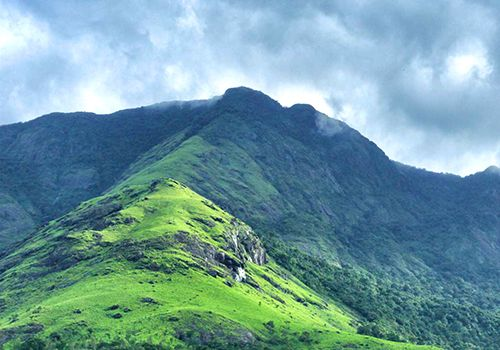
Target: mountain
<point>414,254</point>
<point>158,266</point>
<point>53,163</point>
<point>271,165</point>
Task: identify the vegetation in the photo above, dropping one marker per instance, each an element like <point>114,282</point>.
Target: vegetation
<point>404,254</point>
<point>417,311</point>
<point>160,267</point>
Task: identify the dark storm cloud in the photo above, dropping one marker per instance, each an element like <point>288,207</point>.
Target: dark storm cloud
<point>420,78</point>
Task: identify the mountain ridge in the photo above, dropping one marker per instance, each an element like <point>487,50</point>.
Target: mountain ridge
<point>315,190</point>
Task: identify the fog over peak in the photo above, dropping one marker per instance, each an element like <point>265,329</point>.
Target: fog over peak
<point>421,79</point>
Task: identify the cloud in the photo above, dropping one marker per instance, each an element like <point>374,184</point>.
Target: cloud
<point>421,79</point>
<point>328,126</point>
<point>20,35</point>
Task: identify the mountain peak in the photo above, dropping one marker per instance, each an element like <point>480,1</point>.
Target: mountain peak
<point>244,90</point>
<point>492,170</point>
<point>243,98</point>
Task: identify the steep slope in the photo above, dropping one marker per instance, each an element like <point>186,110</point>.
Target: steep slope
<point>275,166</point>
<point>428,238</point>
<point>415,253</point>
<point>160,266</point>
<point>51,164</point>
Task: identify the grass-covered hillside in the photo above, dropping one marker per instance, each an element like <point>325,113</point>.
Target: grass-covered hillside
<point>158,266</point>
<point>414,254</point>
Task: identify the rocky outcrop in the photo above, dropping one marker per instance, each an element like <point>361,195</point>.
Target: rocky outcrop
<point>240,248</point>
<point>244,244</point>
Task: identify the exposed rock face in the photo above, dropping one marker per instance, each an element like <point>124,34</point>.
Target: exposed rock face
<point>245,244</point>
<point>207,330</point>
<point>242,247</point>
<point>240,274</point>
<point>20,331</point>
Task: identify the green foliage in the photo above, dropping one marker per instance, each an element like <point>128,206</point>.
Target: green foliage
<point>394,309</point>
<point>419,241</point>
<point>413,253</point>
<point>153,267</point>
<point>52,164</point>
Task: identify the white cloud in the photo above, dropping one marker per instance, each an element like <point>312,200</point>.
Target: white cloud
<point>96,97</point>
<point>178,79</point>
<point>20,35</point>
<point>419,79</point>
<point>469,64</point>
<point>289,95</point>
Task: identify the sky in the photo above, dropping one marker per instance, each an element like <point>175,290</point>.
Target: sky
<point>419,78</point>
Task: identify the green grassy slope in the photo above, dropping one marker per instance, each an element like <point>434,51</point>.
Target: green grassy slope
<point>413,253</point>
<point>421,241</point>
<point>158,265</point>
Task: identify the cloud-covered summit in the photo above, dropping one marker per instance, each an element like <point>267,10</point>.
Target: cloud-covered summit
<point>419,78</point>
